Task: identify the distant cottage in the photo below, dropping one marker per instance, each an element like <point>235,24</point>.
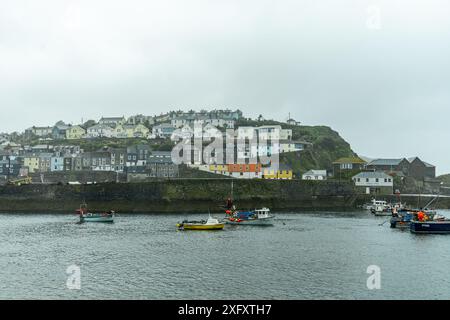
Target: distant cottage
<point>348,164</point>
<point>315,175</point>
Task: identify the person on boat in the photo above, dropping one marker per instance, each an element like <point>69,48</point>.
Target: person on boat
<point>421,215</point>
<point>394,212</point>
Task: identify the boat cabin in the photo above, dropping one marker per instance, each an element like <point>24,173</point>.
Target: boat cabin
<point>379,202</point>
<point>262,213</point>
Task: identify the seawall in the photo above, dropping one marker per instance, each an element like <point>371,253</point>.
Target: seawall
<point>192,195</point>
<point>181,195</point>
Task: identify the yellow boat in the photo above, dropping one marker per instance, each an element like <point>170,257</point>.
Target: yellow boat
<point>210,224</point>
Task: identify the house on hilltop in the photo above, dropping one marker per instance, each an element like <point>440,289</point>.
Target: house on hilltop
<point>112,121</point>
<point>347,164</point>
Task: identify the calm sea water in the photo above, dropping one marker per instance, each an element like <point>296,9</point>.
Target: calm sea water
<point>303,256</point>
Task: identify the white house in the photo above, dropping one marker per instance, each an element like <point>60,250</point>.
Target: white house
<point>374,182</point>
<point>315,175</point>
<point>99,131</point>
<point>163,130</point>
<point>291,146</point>
<point>274,132</point>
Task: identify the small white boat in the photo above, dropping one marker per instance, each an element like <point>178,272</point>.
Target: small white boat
<point>257,217</point>
<point>382,208</point>
<point>210,224</point>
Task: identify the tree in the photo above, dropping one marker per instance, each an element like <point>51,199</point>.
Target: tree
<point>88,124</point>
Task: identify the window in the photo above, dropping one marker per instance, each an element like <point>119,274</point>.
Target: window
<point>377,180</point>
<point>367,179</point>
<point>348,166</point>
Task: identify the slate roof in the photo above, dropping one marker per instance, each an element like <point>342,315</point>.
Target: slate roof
<point>385,162</point>
<point>371,174</point>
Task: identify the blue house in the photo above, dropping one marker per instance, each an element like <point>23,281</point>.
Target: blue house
<point>57,164</point>
<point>59,130</point>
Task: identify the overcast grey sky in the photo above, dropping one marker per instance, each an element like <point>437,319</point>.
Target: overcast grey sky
<point>376,71</point>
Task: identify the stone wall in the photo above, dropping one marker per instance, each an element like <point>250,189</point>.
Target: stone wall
<point>181,195</point>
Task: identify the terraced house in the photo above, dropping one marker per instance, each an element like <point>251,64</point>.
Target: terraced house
<point>283,172</point>
<point>112,121</point>
<point>100,131</point>
<point>32,162</point>
<point>39,131</point>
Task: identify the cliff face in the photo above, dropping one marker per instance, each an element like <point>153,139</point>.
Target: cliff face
<point>196,195</point>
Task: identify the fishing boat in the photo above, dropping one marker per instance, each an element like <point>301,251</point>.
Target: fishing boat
<point>430,227</point>
<point>401,220</point>
<point>86,216</point>
<point>382,208</point>
<point>210,224</point>
<point>429,223</point>
<point>257,217</point>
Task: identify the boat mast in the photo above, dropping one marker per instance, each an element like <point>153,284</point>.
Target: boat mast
<point>232,187</point>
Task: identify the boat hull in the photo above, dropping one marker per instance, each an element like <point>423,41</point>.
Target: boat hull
<point>200,227</point>
<point>383,214</point>
<point>430,227</point>
<point>107,219</point>
<point>251,222</point>
<point>398,223</point>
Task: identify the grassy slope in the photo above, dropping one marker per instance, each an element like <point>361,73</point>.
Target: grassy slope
<point>445,179</point>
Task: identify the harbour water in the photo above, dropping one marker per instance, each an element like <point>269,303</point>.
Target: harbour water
<point>303,256</point>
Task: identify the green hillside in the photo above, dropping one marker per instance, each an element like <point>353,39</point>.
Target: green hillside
<point>327,146</point>
<point>445,179</point>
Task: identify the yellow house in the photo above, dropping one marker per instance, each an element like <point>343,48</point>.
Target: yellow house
<point>32,162</point>
<point>285,174</point>
<point>75,132</point>
<point>269,173</point>
<point>140,131</point>
<point>282,173</point>
<point>218,168</point>
<point>131,131</point>
<point>120,132</point>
